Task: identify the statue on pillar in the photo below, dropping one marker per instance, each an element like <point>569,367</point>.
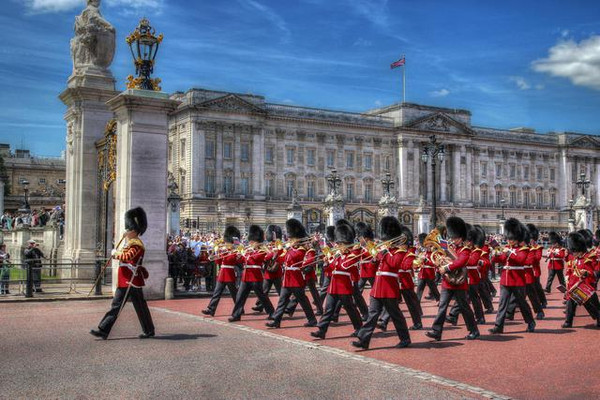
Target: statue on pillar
<point>295,209</point>
<point>333,206</point>
<point>388,206</point>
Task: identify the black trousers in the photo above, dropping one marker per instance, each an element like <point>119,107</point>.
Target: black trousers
<point>531,294</point>
<point>284,299</point>
<point>413,305</point>
<point>323,288</point>
<point>506,292</point>
<point>376,306</point>
<point>363,281</point>
<point>242,296</point>
<point>551,274</point>
<point>485,295</point>
<point>461,299</point>
<point>267,285</point>
<point>474,299</point>
<point>330,304</point>
<point>430,283</point>
<point>216,297</point>
<point>314,293</point>
<point>139,304</point>
<point>540,291</point>
<point>592,306</point>
<point>490,286</point>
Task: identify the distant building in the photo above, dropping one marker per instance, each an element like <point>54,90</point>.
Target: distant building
<point>44,178</point>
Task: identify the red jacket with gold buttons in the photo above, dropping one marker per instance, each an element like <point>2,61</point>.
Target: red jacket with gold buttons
<point>129,258</point>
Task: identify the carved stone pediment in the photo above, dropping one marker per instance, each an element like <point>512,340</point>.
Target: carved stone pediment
<point>440,122</point>
<point>585,142</point>
<point>232,103</point>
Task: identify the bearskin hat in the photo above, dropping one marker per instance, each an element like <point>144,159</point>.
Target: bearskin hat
<point>533,231</point>
<point>389,228</point>
<point>422,237</point>
<point>576,242</point>
<point>256,234</point>
<point>409,235</point>
<point>344,234</point>
<point>526,234</point>
<point>231,234</point>
<point>330,233</point>
<point>456,227</point>
<point>274,232</point>
<point>472,234</point>
<point>295,229</point>
<point>363,230</point>
<point>135,220</point>
<point>513,230</point>
<point>588,236</point>
<point>554,238</point>
<point>482,235</point>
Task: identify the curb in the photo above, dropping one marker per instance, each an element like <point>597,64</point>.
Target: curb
<point>49,299</point>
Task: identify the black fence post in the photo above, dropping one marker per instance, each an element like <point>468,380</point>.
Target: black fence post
<point>97,272</point>
<point>29,281</point>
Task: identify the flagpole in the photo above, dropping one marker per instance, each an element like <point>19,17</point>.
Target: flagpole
<point>404,83</point>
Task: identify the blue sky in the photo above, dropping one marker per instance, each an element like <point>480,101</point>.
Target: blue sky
<point>511,63</point>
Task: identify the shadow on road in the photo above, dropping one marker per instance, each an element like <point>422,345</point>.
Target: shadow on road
<point>174,337</point>
<point>499,338</point>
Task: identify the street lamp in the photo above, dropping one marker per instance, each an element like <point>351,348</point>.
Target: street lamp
<point>143,44</point>
<point>334,182</point>
<point>502,207</point>
<point>583,183</point>
<point>25,208</point>
<point>433,150</point>
<point>387,183</point>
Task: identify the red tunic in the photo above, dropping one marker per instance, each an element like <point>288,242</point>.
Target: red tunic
<point>513,272</point>
<point>461,261</point>
<point>484,261</point>
<point>579,265</point>
<point>427,270</point>
<point>130,257</point>
<point>227,261</point>
<point>537,259</point>
<point>556,258</point>
<point>253,265</point>
<point>296,259</point>
<point>386,285</point>
<point>406,270</point>
<point>473,274</point>
<point>278,255</point>
<point>368,266</point>
<point>529,261</point>
<point>343,269</point>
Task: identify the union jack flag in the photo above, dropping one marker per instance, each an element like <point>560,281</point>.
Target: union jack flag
<point>399,63</point>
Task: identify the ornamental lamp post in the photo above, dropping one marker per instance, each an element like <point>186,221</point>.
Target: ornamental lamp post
<point>583,183</point>
<point>25,208</point>
<point>433,150</point>
<point>143,44</point>
<point>387,183</point>
<point>334,181</point>
<point>571,221</point>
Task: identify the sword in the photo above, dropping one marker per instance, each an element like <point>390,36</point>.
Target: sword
<point>126,293</point>
<point>101,274</point>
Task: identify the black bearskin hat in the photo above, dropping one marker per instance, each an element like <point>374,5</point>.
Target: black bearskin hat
<point>344,234</point>
<point>135,220</point>
<point>456,227</point>
<point>422,237</point>
<point>588,236</point>
<point>274,232</point>
<point>513,230</point>
<point>256,234</point>
<point>526,234</point>
<point>554,238</point>
<point>533,231</point>
<point>295,229</point>
<point>474,235</point>
<point>481,238</point>
<point>389,228</point>
<point>363,230</point>
<point>409,235</point>
<point>347,223</point>
<point>330,233</point>
<point>576,242</point>
<point>231,234</point>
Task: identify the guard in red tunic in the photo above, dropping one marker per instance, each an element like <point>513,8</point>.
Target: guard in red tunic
<point>131,277</point>
<point>407,283</point>
<point>386,289</point>
<point>252,278</point>
<point>582,266</point>
<point>341,287</point>
<point>426,268</point>
<point>273,267</point>
<point>228,258</point>
<point>512,280</point>
<point>537,249</point>
<point>486,288</point>
<point>368,266</point>
<point>556,260</point>
<point>457,233</point>
<point>298,256</point>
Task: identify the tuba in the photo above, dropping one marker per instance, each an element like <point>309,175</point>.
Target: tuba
<point>440,254</point>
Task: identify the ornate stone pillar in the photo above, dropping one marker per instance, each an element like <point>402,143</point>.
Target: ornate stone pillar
<point>198,157</point>
<point>416,171</point>
<point>258,162</point>
<point>429,174</point>
<point>295,209</point>
<point>402,169</point>
<point>219,159</point>
<point>563,179</point>
<point>443,180</point>
<point>469,175</point>
<point>456,174</point>
<point>142,129</point>
<point>596,182</point>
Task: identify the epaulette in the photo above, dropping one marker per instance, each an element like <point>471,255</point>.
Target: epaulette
<point>136,242</point>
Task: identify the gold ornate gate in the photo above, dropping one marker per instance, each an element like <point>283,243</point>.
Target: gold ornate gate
<point>107,173</point>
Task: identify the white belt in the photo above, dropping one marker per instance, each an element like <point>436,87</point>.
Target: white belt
<point>341,273</point>
<point>127,265</point>
<point>228,266</point>
<point>254,266</point>
<point>385,273</point>
<point>366,262</point>
<point>473,267</point>
<point>428,266</point>
<point>514,268</point>
<point>528,266</point>
<point>292,269</point>
<point>555,259</point>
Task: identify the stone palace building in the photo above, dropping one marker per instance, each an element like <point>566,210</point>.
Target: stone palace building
<point>239,159</point>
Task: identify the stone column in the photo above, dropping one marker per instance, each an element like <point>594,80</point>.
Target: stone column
<point>219,159</point>
<point>469,176</point>
<point>198,158</point>
<point>429,175</point>
<point>416,169</point>
<point>237,151</point>
<point>443,180</point>
<point>563,178</point>
<point>258,162</point>
<point>456,175</point>
<point>596,183</point>
<point>142,146</point>
<point>402,169</point>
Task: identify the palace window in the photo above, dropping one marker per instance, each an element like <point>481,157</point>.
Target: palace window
<point>270,187</point>
<point>182,147</point>
<point>170,152</point>
<point>290,156</point>
<point>228,184</point>
<point>540,198</point>
<point>310,157</point>
<point>539,173</point>
<point>269,154</point>
<point>498,196</point>
<point>513,197</point>
<point>330,158</point>
<point>350,160</point>
<point>228,150</point>
<point>245,152</point>
<point>526,172</point>
<point>368,160</point>
<point>513,171</point>
<point>368,192</point>
<point>387,163</point>
<point>310,189</point>
<point>552,177</point>
<point>483,200</point>
<point>553,200</point>
<point>498,170</point>
<point>483,169</point>
<point>349,191</point>
<point>526,198</point>
<point>42,181</point>
<point>210,149</point>
<point>245,185</point>
<point>209,183</point>
<point>290,188</point>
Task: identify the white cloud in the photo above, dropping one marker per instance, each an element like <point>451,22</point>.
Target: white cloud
<point>270,15</point>
<point>578,62</point>
<point>361,42</point>
<point>539,86</point>
<point>375,11</point>
<point>48,6</point>
<point>520,82</point>
<point>52,6</point>
<point>378,103</point>
<point>440,93</point>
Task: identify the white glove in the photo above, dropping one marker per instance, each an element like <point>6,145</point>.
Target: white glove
<point>113,252</point>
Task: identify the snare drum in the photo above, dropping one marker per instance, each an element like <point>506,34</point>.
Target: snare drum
<point>581,293</point>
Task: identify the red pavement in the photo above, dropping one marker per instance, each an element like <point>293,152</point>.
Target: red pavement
<point>550,363</point>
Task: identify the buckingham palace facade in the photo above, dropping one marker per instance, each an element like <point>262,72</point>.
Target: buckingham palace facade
<point>238,159</point>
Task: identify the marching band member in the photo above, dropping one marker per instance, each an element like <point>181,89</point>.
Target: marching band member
<point>537,270</point>
<point>227,259</point>
<point>252,278</point>
<point>310,276</point>
<point>556,260</point>
<point>457,233</point>
<point>297,258</point>
<point>512,280</point>
<point>273,270</point>
<point>330,239</point>
<point>582,266</point>
<point>386,288</point>
<point>426,275</point>
<point>131,277</point>
<point>407,283</point>
<point>485,285</point>
<point>341,287</point>
<point>368,266</point>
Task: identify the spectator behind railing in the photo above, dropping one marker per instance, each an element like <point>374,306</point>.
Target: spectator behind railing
<point>4,269</point>
<point>34,256</point>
